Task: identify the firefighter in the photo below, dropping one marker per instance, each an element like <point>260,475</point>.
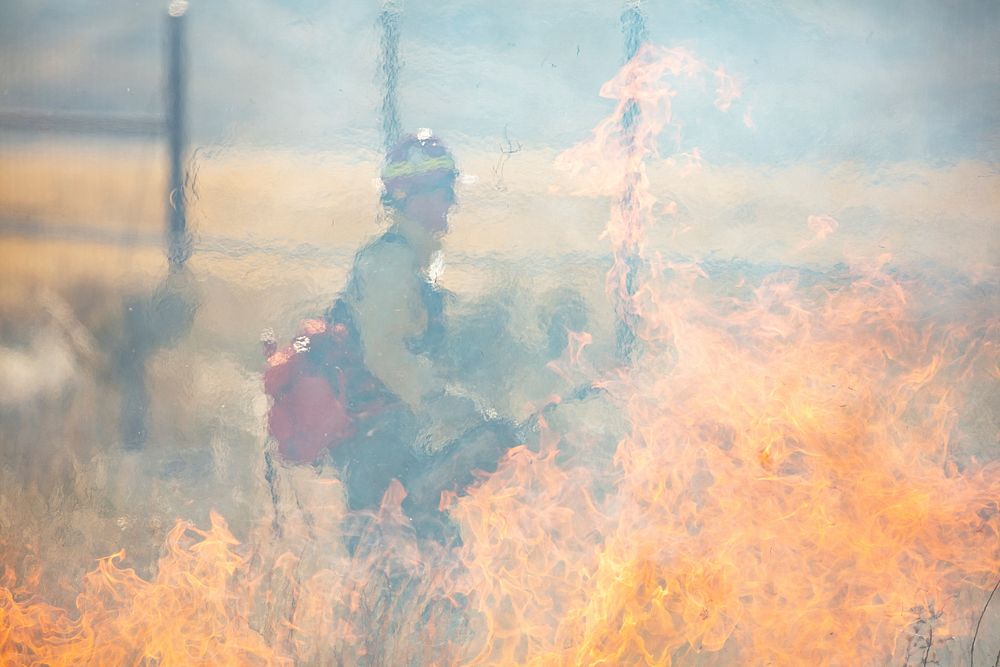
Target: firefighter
<point>364,388</point>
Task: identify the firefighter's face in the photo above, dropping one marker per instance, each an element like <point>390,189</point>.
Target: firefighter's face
<point>429,207</point>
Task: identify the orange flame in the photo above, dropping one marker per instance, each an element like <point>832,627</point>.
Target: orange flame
<point>787,494</point>
<point>189,615</point>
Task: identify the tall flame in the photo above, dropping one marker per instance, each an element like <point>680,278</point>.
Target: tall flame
<point>786,494</point>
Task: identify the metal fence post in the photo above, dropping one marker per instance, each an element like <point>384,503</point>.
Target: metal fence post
<point>633,23</point>
<point>160,318</point>
<point>179,243</point>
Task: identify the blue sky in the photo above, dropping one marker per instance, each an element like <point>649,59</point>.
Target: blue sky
<point>827,82</point>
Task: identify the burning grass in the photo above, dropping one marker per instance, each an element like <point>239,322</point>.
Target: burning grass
<point>796,487</point>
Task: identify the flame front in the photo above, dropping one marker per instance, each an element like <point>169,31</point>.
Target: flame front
<point>793,486</point>
<point>188,615</point>
<point>786,494</point>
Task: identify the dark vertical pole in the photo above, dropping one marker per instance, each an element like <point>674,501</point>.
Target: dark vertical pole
<point>634,30</point>
<point>156,320</point>
<point>179,243</point>
<point>388,20</point>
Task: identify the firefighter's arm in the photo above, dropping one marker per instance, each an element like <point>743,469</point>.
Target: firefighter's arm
<point>389,311</point>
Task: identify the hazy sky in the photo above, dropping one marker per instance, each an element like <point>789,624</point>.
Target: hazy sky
<point>824,81</point>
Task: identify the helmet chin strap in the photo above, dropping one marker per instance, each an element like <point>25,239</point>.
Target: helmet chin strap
<point>425,239</point>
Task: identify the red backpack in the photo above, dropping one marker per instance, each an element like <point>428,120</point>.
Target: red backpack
<point>310,383</point>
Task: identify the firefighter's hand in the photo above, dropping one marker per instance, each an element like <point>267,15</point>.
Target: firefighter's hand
<point>444,419</point>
